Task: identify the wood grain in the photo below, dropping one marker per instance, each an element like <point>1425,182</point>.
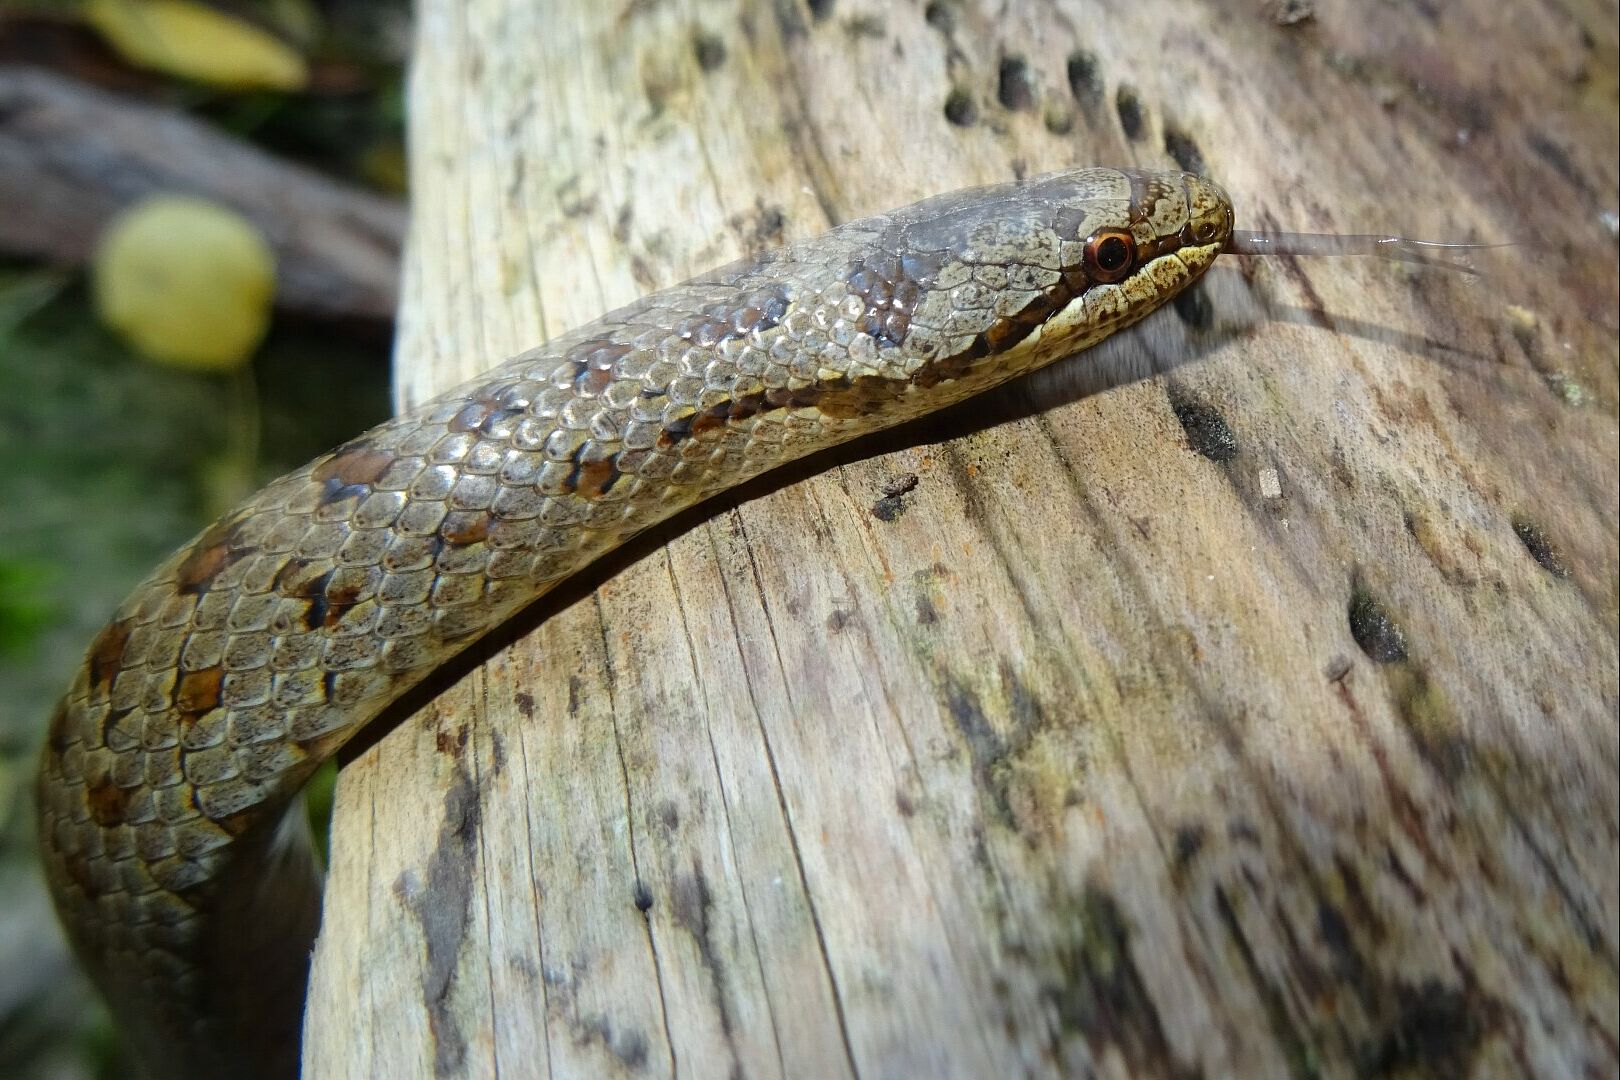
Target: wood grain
<point>1253,718</point>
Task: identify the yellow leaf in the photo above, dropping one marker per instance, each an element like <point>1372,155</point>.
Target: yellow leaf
<point>193,41</point>
<point>186,281</point>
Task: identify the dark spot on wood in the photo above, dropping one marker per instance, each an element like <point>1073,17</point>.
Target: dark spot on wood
<point>760,229</point>
<point>709,50</point>
<point>107,801</point>
<point>892,504</point>
<point>1100,995</point>
<point>903,803</point>
<point>442,909</point>
<point>452,743</point>
<point>525,703</point>
<point>837,620</point>
<point>960,108</point>
<point>107,653</point>
<point>1059,120</point>
<point>1540,547</point>
<point>1193,308</point>
<point>1084,81</point>
<point>1129,108</point>
<point>692,904</point>
<point>1015,84</point>
<point>940,15</point>
<point>1293,12</point>
<point>1335,934</point>
<point>903,484</point>
<point>1374,630</point>
<point>1436,1030</point>
<point>198,693</point>
<point>642,897</point>
<point>1183,150</point>
<point>820,10</point>
<point>1189,841</point>
<point>1559,160</point>
<point>1206,429</point>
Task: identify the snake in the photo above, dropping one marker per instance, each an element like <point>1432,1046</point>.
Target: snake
<point>255,652</point>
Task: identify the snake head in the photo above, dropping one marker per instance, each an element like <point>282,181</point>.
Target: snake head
<point>1025,273</point>
<point>1133,218</point>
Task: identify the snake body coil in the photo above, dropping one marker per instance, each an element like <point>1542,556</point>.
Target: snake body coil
<point>256,651</point>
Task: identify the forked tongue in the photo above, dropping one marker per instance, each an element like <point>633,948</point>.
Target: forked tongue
<point>1423,252</point>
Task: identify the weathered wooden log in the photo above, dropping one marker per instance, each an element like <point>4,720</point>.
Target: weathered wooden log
<point>1253,718</point>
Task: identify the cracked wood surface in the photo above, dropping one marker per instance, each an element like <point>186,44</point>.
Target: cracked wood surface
<point>1256,717</point>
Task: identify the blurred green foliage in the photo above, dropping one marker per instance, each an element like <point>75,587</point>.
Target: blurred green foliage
<point>110,463</point>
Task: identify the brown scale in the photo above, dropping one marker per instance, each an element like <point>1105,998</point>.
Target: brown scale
<point>213,553</point>
<point>890,286</point>
<point>594,477</point>
<point>464,527</point>
<point>350,471</point>
<point>107,654</point>
<point>325,606</point>
<point>481,414</point>
<point>107,801</point>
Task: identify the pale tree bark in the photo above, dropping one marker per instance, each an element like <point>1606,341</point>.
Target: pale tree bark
<point>1256,717</point>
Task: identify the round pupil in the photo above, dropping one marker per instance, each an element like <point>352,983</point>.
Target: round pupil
<point>1111,253</point>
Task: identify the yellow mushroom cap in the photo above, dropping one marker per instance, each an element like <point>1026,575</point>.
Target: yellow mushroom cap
<point>185,281</point>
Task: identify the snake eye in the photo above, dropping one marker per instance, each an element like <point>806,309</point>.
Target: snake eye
<point>1205,231</point>
<point>1110,254</point>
